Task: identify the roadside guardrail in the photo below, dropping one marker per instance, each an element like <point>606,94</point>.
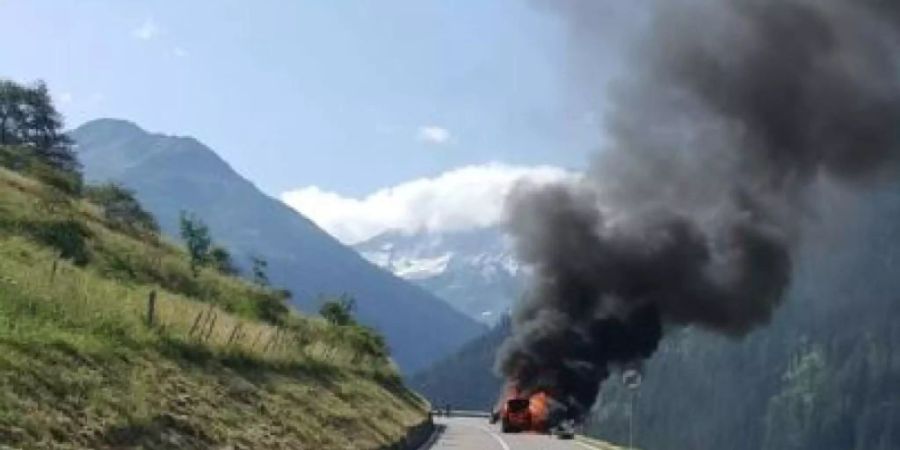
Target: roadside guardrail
<point>460,413</point>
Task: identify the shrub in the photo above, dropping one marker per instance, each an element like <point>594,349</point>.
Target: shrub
<point>272,307</point>
<point>367,341</point>
<point>221,260</point>
<point>24,159</point>
<point>363,340</point>
<point>16,158</point>
<point>67,182</point>
<point>339,311</point>
<point>68,237</point>
<point>121,209</point>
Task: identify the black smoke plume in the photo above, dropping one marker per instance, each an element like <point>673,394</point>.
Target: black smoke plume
<point>732,117</point>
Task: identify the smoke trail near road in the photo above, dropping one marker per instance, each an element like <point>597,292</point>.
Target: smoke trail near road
<point>731,117</point>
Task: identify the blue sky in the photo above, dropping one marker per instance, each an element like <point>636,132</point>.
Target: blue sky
<point>350,97</point>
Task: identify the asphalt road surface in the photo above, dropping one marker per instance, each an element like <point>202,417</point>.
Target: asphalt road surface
<point>463,433</point>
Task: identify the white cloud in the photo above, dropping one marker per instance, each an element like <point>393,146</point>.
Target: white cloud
<point>179,52</point>
<point>65,97</point>
<point>433,134</point>
<point>465,198</point>
<point>146,31</point>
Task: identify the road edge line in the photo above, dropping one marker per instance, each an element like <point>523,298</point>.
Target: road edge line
<point>594,444</point>
<point>435,434</point>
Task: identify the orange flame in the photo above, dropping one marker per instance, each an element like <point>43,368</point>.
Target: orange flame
<point>537,405</point>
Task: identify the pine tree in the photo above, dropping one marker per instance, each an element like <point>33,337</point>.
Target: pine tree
<point>28,118</point>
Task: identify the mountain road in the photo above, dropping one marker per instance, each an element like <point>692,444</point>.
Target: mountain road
<point>467,433</point>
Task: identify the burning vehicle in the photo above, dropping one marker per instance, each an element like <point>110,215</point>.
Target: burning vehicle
<point>538,412</point>
<point>516,415</point>
<point>519,412</point>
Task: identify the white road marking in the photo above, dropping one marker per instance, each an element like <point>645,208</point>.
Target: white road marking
<point>469,434</point>
<point>496,438</point>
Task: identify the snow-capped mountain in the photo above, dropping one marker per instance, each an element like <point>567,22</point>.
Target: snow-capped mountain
<point>475,271</point>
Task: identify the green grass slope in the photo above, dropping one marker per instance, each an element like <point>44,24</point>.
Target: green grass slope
<point>81,367</point>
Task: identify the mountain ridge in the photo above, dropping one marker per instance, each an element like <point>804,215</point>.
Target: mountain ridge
<point>174,173</point>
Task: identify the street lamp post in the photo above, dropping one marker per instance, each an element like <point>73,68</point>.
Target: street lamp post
<point>631,378</point>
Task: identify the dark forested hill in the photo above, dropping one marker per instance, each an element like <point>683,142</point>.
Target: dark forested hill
<point>171,174</point>
<point>474,363</point>
<point>824,375</point>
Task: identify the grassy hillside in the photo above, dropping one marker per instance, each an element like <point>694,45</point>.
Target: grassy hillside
<point>81,367</point>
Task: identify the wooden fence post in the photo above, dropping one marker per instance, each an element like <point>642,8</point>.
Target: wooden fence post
<point>258,335</point>
<point>212,326</point>
<point>235,333</point>
<point>151,309</point>
<point>196,323</point>
<point>272,340</point>
<point>53,270</point>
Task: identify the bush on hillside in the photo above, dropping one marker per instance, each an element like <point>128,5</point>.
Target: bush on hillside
<point>69,183</point>
<point>67,237</point>
<point>339,311</point>
<point>24,160</point>
<point>201,250</point>
<point>273,308</point>
<point>15,158</point>
<point>121,209</point>
<point>221,260</point>
<point>364,340</point>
